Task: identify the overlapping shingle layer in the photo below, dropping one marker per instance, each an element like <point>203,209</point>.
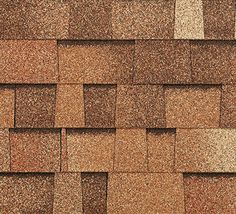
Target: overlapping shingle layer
<point>118,106</point>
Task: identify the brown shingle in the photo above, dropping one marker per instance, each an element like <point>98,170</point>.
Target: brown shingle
<point>145,193</point>
<point>140,106</point>
<point>161,144</point>
<point>162,61</point>
<point>94,190</point>
<point>90,19</point>
<point>69,106</point>
<point>210,193</point>
<point>143,19</point>
<point>100,104</point>
<point>35,106</point>
<point>213,61</point>
<point>36,150</point>
<point>26,193</point>
<point>205,150</point>
<point>4,150</point>
<point>130,150</point>
<point>228,107</point>
<point>67,193</point>
<point>193,106</point>
<point>90,150</point>
<point>7,107</point>
<point>96,61</point>
<point>27,61</point>
<point>34,19</point>
<point>218,19</point>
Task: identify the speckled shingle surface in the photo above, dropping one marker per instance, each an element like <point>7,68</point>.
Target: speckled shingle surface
<point>117,106</point>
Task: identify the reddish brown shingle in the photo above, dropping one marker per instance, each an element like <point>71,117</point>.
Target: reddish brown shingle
<point>130,150</point>
<point>4,150</point>
<point>69,106</point>
<point>35,106</point>
<point>145,193</point>
<point>140,106</point>
<point>34,19</point>
<point>143,19</point>
<point>96,62</point>
<point>219,19</point>
<point>36,150</point>
<point>210,193</point>
<point>162,61</point>
<point>67,193</point>
<point>90,150</point>
<point>213,61</point>
<point>7,107</point>
<point>94,190</point>
<point>100,105</point>
<point>26,193</point>
<point>228,107</point>
<point>161,150</point>
<point>205,150</point>
<point>192,106</point>
<point>28,61</point>
<point>90,19</point>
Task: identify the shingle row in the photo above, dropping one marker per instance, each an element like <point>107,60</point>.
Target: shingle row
<point>117,19</point>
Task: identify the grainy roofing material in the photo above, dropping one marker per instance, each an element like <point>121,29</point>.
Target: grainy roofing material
<point>117,106</point>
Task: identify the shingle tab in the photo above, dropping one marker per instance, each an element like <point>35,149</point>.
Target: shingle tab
<point>28,61</point>
<point>36,150</point>
<point>205,150</point>
<point>130,150</point>
<point>161,150</point>
<point>145,193</point>
<point>4,150</point>
<point>35,106</point>
<point>213,61</point>
<point>162,61</point>
<point>90,150</point>
<point>69,106</point>
<point>210,193</point>
<point>143,19</point>
<point>26,193</point>
<point>193,106</point>
<point>140,106</point>
<point>100,106</point>
<point>96,62</point>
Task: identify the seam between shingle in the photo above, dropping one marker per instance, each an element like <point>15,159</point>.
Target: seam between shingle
<point>221,101</point>
<point>147,147</point>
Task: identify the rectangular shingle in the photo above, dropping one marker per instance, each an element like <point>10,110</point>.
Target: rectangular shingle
<point>205,150</point>
<point>28,61</point>
<point>90,19</point>
<point>94,190</point>
<point>7,107</point>
<point>162,61</point>
<point>35,150</point>
<point>26,193</point>
<point>161,150</point>
<point>193,106</point>
<point>143,19</point>
<point>130,150</point>
<point>69,106</point>
<point>35,106</point>
<point>4,150</point>
<point>100,105</point>
<point>140,106</point>
<point>67,193</point>
<point>145,193</point>
<point>34,19</point>
<point>213,61</point>
<point>90,150</point>
<point>210,193</point>
<point>96,62</point>
<point>218,19</point>
<point>228,107</point>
